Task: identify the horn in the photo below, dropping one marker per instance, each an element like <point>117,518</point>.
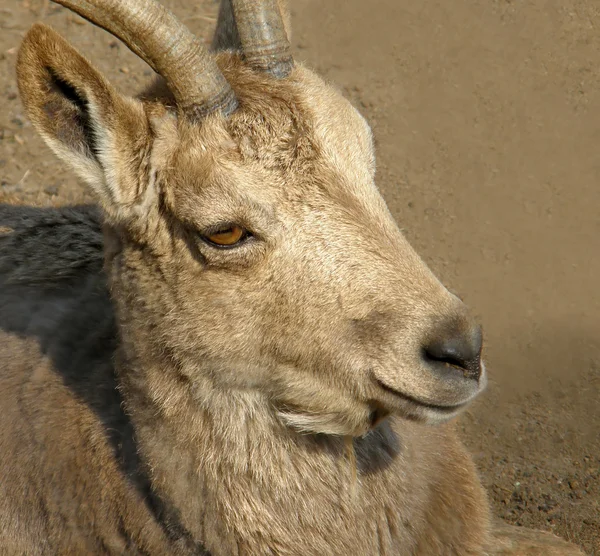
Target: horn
<point>157,37</point>
<point>258,29</point>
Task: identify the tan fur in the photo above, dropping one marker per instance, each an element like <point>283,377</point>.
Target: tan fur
<point>255,421</point>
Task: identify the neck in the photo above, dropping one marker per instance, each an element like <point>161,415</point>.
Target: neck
<point>241,482</point>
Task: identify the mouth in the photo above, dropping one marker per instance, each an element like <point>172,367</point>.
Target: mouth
<point>448,410</point>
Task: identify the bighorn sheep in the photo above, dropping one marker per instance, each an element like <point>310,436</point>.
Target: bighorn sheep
<point>239,353</point>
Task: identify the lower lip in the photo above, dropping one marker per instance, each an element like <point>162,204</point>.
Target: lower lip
<point>439,408</point>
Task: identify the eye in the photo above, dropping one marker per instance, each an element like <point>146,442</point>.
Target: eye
<point>229,236</point>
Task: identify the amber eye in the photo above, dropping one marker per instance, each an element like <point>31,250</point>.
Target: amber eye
<point>227,237</point>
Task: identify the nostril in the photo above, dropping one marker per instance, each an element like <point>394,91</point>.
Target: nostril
<point>457,348</point>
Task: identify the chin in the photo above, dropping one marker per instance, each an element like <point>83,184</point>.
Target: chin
<point>333,424</point>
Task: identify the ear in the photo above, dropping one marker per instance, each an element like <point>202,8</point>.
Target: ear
<point>226,36</point>
<point>101,134</point>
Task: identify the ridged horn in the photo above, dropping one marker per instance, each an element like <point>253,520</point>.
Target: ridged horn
<point>257,29</point>
<point>162,41</point>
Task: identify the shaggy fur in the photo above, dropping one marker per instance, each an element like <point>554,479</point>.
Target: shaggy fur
<point>271,398</point>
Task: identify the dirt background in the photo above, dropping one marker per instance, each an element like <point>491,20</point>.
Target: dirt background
<point>486,115</point>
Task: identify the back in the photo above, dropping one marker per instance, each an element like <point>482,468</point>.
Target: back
<point>64,434</point>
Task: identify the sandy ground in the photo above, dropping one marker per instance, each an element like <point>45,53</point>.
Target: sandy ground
<point>486,115</point>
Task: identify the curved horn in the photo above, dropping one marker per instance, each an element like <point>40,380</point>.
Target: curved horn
<point>258,29</point>
<point>163,42</point>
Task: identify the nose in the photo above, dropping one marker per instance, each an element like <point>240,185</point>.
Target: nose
<point>454,347</point>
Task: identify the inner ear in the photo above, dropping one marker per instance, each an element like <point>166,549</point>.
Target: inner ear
<point>103,135</point>
<point>69,109</point>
